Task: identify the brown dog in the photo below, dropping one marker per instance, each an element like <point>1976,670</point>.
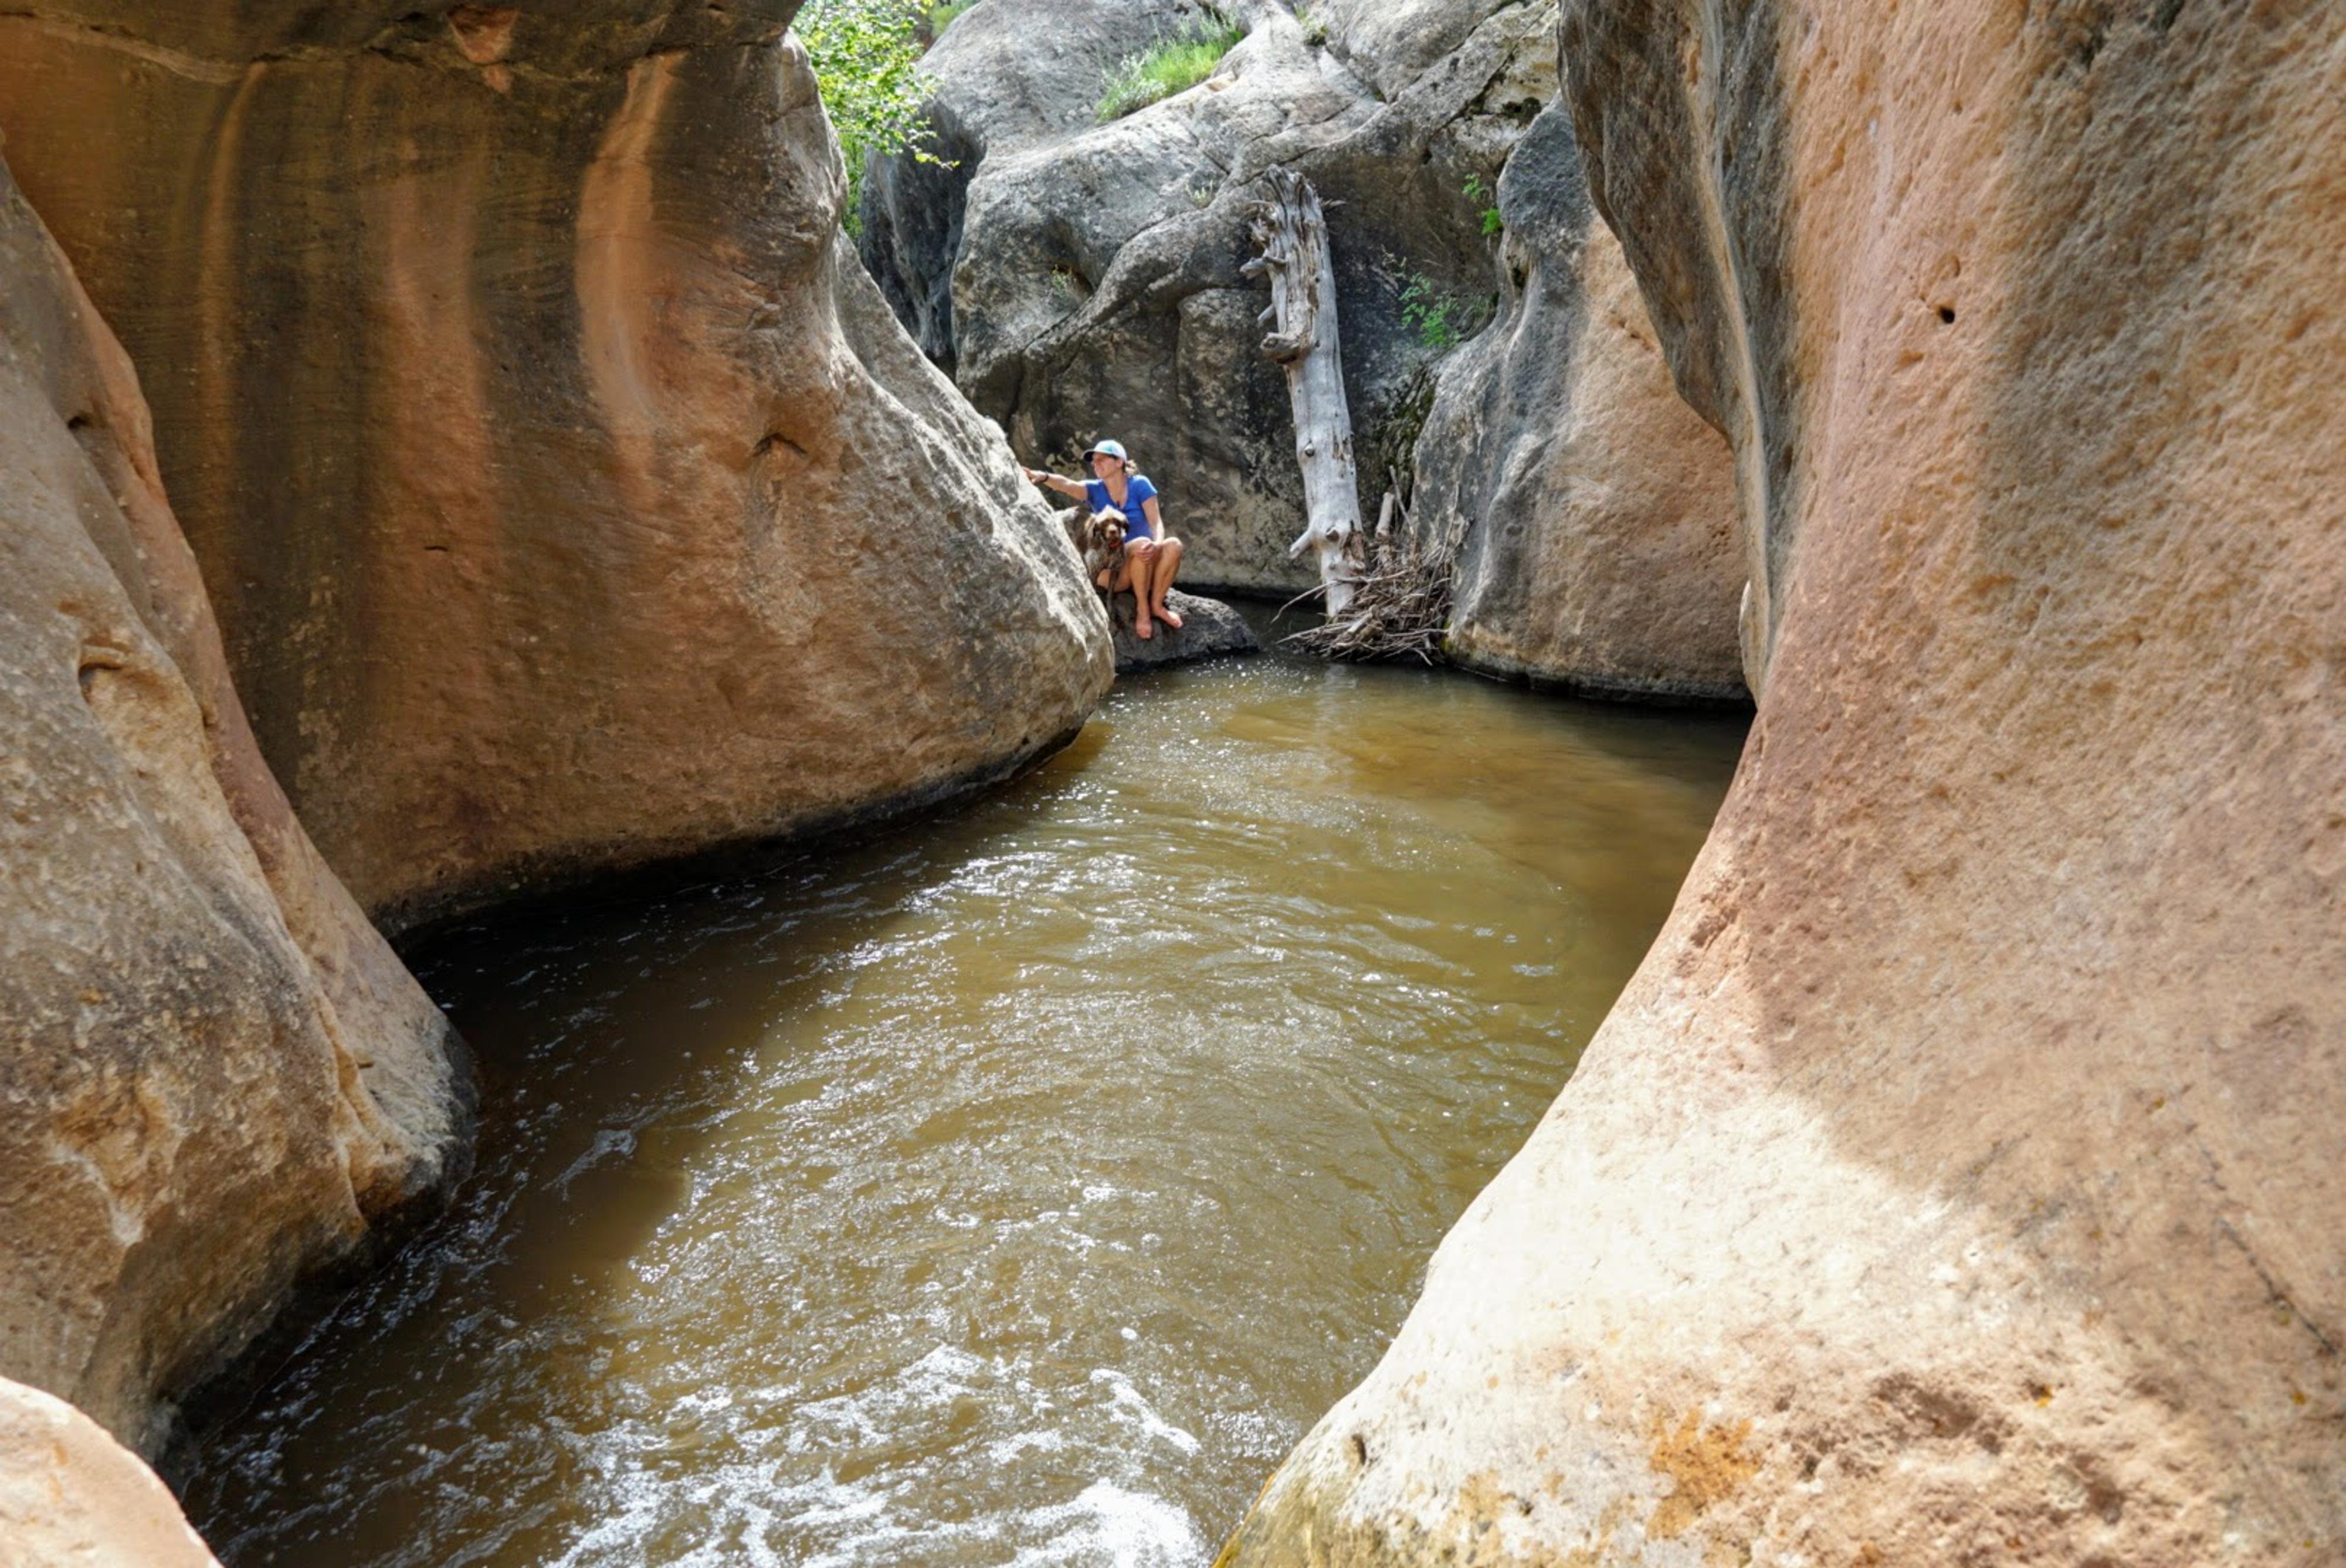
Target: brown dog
<point>1100,537</point>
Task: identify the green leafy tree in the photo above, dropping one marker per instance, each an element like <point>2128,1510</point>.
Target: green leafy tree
<point>866,56</point>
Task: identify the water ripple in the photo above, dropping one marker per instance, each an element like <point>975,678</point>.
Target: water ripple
<point>1014,1188</point>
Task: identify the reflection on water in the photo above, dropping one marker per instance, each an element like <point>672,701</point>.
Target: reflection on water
<point>1014,1187</point>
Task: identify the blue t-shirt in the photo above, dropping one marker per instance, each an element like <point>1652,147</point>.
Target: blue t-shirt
<point>1137,490</point>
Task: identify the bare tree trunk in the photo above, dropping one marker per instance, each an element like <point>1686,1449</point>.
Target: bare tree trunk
<point>1292,236</point>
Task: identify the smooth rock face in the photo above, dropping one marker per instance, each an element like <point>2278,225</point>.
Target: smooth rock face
<point>1095,285</point>
<point>213,1073</point>
<point>1963,1179</point>
<point>72,1497</point>
<point>1597,510</point>
<point>1210,629</point>
<point>555,517</point>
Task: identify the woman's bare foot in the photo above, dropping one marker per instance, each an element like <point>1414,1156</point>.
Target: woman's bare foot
<point>1169,617</point>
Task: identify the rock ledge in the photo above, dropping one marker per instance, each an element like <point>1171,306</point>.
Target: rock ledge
<point>1210,629</point>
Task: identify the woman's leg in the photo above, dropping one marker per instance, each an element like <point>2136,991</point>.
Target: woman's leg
<point>1169,561</point>
<point>1139,573</point>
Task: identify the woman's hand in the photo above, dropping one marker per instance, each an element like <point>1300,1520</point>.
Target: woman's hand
<point>1034,475</point>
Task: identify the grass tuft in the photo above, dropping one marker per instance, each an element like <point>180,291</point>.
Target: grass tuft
<point>1175,65</point>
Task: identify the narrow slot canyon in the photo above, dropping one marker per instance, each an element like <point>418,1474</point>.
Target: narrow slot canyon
<point>1017,1183</point>
<point>1270,783</point>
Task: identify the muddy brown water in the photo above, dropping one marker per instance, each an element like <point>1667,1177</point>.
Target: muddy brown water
<point>1014,1186</point>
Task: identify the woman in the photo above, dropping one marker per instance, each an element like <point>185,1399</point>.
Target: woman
<point>1150,558</point>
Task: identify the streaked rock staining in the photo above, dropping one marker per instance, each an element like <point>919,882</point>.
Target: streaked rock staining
<point>557,513</point>
<point>215,1074</point>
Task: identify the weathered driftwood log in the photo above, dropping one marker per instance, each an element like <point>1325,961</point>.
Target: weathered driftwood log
<point>1291,235</point>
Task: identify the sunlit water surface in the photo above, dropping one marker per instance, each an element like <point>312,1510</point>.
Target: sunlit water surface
<point>1014,1186</point>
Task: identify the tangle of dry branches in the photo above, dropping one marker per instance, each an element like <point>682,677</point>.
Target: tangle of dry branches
<point>1400,604</point>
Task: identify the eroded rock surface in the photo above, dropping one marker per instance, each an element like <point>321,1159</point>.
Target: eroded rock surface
<point>72,1497</point>
<point>1096,274</point>
<point>213,1073</point>
<point>1963,1178</point>
<point>1596,509</point>
<point>1095,285</point>
<point>555,517</point>
<point>1210,629</point>
<point>1009,77</point>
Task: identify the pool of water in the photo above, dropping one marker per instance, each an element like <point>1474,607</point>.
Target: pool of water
<point>1013,1186</point>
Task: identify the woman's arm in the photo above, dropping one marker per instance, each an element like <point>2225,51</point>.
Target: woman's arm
<point>1156,518</point>
<point>1053,482</point>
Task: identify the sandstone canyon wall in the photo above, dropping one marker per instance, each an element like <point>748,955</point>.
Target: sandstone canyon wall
<point>1963,1178</point>
<point>72,1497</point>
<point>213,1073</point>
<point>553,518</point>
<point>1085,280</point>
<point>1596,510</point>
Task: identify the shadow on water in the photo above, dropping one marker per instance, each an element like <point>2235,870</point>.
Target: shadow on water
<point>1013,1186</point>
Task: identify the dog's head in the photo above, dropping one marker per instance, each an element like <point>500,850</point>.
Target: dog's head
<point>1101,539</point>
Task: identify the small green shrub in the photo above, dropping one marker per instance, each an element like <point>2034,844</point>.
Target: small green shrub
<point>1442,319</point>
<point>866,56</point>
<point>1438,319</point>
<point>1315,27</point>
<point>1173,65</point>
<point>1475,190</point>
<point>942,17</point>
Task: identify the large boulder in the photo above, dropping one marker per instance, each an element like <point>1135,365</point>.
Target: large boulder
<point>1096,283</point>
<point>1082,279</point>
<point>1005,79</point>
<point>555,517</point>
<point>72,1497</point>
<point>213,1073</point>
<point>1596,510</point>
<point>1963,1178</point>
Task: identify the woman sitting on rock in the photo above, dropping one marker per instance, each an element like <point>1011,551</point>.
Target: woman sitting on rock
<point>1150,558</point>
